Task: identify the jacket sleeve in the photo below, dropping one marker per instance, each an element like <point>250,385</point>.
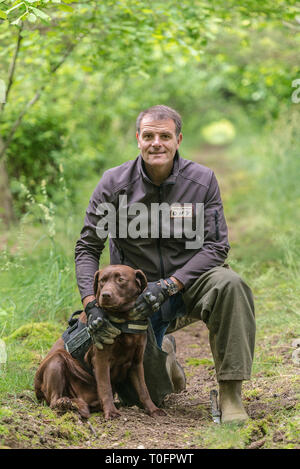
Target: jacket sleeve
<point>215,246</point>
<point>89,247</point>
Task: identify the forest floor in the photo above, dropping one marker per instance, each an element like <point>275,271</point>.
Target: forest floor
<point>270,403</point>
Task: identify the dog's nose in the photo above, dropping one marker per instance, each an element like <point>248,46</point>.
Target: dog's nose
<point>106,295</point>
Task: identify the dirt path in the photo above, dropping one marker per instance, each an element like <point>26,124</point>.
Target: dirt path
<point>24,423</point>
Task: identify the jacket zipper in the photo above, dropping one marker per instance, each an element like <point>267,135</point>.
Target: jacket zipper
<point>162,269</point>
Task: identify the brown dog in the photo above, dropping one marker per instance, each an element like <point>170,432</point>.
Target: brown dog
<point>62,381</point>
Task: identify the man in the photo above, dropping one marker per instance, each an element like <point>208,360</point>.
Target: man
<point>186,282</point>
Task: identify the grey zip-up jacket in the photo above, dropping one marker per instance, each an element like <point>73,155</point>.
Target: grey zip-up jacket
<point>159,257</point>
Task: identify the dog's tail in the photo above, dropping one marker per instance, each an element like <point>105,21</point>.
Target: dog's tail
<point>71,369</point>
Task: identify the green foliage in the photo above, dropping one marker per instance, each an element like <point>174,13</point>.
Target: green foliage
<point>93,65</point>
<point>275,166</point>
<point>35,155</point>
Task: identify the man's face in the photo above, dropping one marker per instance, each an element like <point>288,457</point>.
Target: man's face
<point>157,141</point>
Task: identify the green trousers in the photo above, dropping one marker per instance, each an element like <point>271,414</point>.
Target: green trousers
<point>224,302</point>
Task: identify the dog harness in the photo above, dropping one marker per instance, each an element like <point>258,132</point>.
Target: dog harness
<point>77,338</point>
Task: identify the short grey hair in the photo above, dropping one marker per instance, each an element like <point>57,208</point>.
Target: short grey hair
<point>160,112</point>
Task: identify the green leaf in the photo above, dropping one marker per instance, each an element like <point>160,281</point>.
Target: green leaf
<point>17,21</point>
<point>14,7</point>
<point>65,7</point>
<point>31,18</point>
<point>40,14</point>
<point>3,312</point>
<point>3,14</point>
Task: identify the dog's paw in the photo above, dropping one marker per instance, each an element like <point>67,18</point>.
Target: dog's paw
<point>158,413</point>
<point>112,414</point>
<point>64,404</point>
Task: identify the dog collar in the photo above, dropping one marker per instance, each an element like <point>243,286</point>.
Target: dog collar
<point>131,327</point>
<point>137,326</point>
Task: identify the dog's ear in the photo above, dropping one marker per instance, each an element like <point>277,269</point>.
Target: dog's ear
<point>141,279</point>
<point>96,279</point>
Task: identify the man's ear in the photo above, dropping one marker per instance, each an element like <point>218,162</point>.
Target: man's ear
<point>179,140</point>
<point>141,279</point>
<point>96,279</point>
<point>137,137</point>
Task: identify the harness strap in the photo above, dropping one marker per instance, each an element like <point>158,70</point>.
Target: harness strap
<point>132,327</point>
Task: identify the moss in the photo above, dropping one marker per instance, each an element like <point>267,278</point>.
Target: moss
<point>71,428</point>
<point>3,430</point>
<point>220,437</point>
<point>35,334</point>
<point>252,393</point>
<point>274,359</point>
<point>292,433</point>
<point>5,412</point>
<point>254,430</point>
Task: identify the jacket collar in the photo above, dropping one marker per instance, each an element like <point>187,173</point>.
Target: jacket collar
<point>171,179</point>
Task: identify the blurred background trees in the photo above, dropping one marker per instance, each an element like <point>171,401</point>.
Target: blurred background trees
<point>75,74</point>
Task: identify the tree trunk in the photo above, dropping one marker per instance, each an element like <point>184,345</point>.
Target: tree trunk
<point>7,215</point>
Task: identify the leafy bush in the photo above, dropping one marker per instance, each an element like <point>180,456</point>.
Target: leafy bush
<point>34,156</point>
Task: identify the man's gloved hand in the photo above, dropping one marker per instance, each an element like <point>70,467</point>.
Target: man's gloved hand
<point>150,300</point>
<point>100,328</point>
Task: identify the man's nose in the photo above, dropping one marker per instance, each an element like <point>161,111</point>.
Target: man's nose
<point>156,141</point>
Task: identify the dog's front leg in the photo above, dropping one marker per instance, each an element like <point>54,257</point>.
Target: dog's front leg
<point>102,375</point>
<point>137,377</point>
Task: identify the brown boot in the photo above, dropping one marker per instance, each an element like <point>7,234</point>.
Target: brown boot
<point>231,405</point>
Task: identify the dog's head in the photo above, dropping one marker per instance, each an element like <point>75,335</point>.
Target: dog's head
<point>117,287</point>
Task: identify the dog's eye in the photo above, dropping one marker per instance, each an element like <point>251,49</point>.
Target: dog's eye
<point>121,279</point>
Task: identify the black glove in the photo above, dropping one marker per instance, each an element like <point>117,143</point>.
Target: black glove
<point>100,328</point>
<point>150,300</point>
